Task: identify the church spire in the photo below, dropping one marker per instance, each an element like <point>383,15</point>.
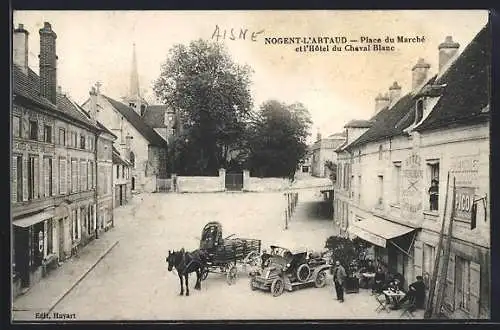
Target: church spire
<point>134,92</point>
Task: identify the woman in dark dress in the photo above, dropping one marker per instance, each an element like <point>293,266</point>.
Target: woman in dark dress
<point>379,281</point>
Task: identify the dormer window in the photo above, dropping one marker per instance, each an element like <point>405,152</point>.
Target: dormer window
<point>131,104</point>
<point>419,110</point>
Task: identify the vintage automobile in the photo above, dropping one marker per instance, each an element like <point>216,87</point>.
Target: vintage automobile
<point>283,269</point>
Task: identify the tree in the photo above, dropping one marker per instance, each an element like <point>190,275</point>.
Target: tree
<point>211,96</point>
<point>332,168</point>
<point>276,139</point>
<point>343,250</point>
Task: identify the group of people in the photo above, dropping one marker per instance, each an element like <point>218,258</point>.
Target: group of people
<point>381,282</point>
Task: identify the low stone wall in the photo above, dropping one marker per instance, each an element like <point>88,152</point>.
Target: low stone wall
<point>149,184</point>
<point>265,184</point>
<point>199,184</point>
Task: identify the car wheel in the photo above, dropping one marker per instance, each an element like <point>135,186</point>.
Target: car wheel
<point>303,273</point>
<point>320,280</point>
<point>277,287</point>
<point>252,259</point>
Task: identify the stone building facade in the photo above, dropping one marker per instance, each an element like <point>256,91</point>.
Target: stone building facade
<point>53,167</point>
<point>439,130</point>
<point>143,131</point>
<point>122,189</point>
<point>324,150</point>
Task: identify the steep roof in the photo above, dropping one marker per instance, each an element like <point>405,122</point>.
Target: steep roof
<point>138,122</point>
<point>390,121</point>
<point>467,90</point>
<point>99,124</point>
<point>154,116</point>
<point>359,123</point>
<point>29,87</point>
<point>117,159</point>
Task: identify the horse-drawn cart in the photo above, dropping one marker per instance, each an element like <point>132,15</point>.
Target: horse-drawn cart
<point>224,254</point>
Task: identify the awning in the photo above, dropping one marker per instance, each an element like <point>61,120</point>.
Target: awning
<point>378,231</point>
<point>33,219</point>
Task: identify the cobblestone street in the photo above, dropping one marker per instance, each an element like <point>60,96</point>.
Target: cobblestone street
<point>132,282</point>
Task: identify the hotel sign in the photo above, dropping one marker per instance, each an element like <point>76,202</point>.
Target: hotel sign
<point>465,170</point>
<point>412,172</point>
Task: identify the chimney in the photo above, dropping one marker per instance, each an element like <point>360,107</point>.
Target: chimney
<point>394,92</point>
<point>48,63</point>
<point>93,104</point>
<point>381,101</point>
<point>419,73</point>
<point>20,48</point>
<point>447,50</point>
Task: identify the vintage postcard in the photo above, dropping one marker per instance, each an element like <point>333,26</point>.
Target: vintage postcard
<point>250,165</point>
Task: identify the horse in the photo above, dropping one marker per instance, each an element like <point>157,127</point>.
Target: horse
<point>185,263</point>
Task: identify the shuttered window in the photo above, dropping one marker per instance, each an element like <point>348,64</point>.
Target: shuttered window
<point>17,179</point>
<point>62,175</point>
<point>74,176</point>
<point>46,177</point>
<point>33,178</point>
<point>83,174</point>
<point>16,126</point>
<point>92,175</point>
<point>468,285</point>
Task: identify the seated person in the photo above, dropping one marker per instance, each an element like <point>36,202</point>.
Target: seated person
<point>368,268</point>
<point>400,278</point>
<point>264,258</point>
<point>416,291</point>
<point>379,281</point>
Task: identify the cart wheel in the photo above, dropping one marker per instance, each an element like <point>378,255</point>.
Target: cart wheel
<point>252,287</point>
<point>252,259</point>
<point>320,280</point>
<point>231,275</point>
<point>277,287</point>
<point>204,273</point>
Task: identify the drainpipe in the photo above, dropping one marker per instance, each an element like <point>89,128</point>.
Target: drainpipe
<point>96,212</point>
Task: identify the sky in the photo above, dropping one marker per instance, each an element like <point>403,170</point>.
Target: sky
<point>334,86</point>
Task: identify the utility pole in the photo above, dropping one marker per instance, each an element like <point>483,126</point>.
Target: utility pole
<point>446,258</point>
<point>432,288</point>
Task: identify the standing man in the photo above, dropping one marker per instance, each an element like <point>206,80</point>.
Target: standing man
<point>339,276</point>
<point>434,195</point>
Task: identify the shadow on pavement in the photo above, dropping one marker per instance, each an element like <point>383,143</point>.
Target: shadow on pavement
<point>318,210</point>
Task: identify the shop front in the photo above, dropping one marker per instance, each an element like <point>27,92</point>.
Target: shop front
<point>32,238</point>
<point>392,242</point>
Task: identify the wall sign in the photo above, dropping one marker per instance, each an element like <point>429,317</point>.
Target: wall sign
<point>465,170</point>
<point>464,199</point>
<point>411,198</point>
<point>40,241</point>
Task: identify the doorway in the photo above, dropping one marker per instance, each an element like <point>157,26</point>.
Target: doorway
<point>121,195</point>
<point>61,238</point>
